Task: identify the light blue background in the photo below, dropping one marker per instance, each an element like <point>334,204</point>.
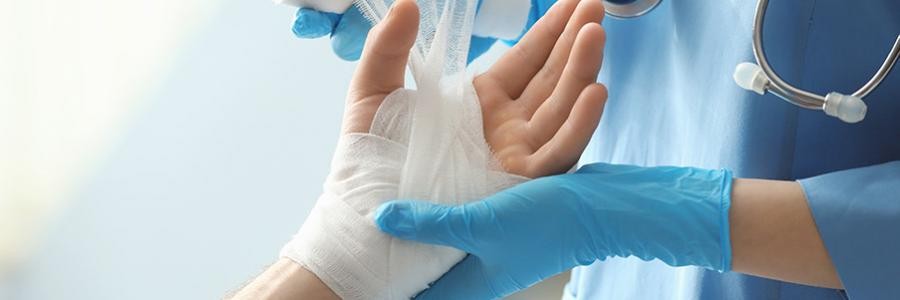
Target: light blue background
<point>213,175</point>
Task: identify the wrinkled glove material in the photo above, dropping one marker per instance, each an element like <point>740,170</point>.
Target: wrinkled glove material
<point>543,227</point>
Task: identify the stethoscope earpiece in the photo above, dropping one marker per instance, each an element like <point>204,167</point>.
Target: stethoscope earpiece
<point>848,108</point>
<point>761,78</point>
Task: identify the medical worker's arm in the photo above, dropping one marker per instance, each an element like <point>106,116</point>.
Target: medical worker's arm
<point>681,216</point>
<point>773,234</point>
<point>540,105</point>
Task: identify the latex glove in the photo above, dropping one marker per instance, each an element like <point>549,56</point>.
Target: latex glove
<point>540,228</point>
<point>504,19</point>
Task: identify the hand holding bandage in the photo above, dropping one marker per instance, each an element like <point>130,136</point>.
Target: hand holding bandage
<point>530,115</point>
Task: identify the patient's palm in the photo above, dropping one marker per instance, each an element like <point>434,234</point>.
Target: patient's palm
<point>540,101</point>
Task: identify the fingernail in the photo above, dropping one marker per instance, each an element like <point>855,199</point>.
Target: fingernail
<point>395,218</point>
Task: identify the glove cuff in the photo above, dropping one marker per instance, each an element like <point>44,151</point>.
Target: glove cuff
<point>724,223</point>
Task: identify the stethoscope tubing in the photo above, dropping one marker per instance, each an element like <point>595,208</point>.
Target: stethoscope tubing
<point>761,77</point>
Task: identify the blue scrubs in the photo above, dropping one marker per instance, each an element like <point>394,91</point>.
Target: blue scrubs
<point>673,102</point>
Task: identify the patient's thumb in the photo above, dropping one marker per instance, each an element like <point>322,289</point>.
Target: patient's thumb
<point>425,222</point>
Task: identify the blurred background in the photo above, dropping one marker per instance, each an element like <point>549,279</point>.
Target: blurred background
<point>158,149</point>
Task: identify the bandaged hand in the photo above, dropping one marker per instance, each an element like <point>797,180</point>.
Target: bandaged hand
<point>540,102</point>
<point>529,115</point>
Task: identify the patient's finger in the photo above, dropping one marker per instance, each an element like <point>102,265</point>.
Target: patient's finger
<point>581,71</point>
<point>541,86</point>
<point>516,68</point>
<point>383,64</point>
<point>563,150</point>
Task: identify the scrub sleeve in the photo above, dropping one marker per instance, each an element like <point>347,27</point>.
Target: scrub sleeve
<point>857,212</point>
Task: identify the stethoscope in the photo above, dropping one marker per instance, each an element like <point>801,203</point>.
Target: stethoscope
<point>761,78</point>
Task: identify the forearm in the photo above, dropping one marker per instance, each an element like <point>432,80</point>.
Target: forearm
<point>773,234</point>
<point>285,280</point>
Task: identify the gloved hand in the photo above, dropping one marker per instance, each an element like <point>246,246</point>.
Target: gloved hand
<point>540,228</point>
<point>348,30</point>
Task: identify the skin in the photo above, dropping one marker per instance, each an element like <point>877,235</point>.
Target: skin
<point>540,105</point>
<point>285,279</point>
<point>774,235</point>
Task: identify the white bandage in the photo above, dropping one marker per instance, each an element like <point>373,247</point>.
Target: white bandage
<point>339,241</point>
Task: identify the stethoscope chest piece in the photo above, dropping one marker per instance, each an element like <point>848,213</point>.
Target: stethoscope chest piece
<point>629,8</point>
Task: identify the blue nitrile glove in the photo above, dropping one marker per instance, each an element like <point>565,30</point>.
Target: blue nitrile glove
<point>348,31</point>
<point>543,227</point>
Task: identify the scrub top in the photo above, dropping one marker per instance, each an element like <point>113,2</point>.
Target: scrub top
<point>672,101</point>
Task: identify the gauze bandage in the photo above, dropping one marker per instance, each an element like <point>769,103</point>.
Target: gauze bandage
<point>424,144</point>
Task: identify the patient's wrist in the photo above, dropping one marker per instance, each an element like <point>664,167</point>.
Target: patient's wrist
<point>286,280</point>
<point>310,286</point>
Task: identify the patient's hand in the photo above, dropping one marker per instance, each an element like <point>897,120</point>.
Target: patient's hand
<point>540,105</point>
<point>540,101</point>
